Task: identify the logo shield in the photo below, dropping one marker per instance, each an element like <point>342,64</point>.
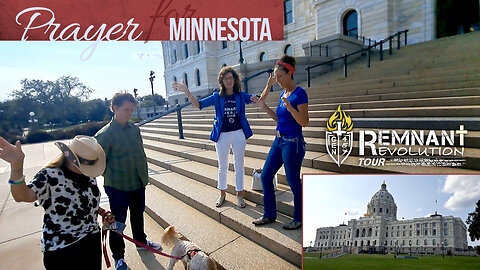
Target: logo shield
<point>339,136</point>
<point>339,145</point>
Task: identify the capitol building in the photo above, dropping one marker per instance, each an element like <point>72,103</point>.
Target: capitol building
<point>315,31</point>
<point>380,231</point>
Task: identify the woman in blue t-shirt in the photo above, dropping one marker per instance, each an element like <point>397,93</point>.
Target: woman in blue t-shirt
<point>288,148</point>
<point>230,127</point>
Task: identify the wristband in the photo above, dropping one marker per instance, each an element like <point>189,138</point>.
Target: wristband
<point>18,182</point>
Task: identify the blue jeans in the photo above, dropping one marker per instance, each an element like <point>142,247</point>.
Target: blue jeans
<point>120,202</point>
<point>288,151</point>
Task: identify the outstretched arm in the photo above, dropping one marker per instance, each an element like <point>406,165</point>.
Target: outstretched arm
<point>14,155</point>
<point>181,87</point>
<point>260,103</point>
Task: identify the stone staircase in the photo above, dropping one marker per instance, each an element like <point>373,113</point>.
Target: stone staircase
<point>435,85</point>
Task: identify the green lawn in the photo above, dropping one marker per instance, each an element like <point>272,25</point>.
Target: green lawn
<point>374,262</point>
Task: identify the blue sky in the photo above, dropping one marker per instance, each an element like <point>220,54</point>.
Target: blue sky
<point>327,198</point>
<point>113,66</point>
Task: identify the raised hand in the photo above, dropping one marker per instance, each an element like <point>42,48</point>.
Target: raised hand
<point>271,80</point>
<point>181,87</point>
<point>12,154</point>
<point>286,103</point>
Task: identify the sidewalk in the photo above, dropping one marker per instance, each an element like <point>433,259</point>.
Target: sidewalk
<point>21,223</point>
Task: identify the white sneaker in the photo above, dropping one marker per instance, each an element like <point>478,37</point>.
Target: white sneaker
<point>121,265</point>
<point>152,245</point>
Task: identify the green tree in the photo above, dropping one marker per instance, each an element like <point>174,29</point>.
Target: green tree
<point>473,222</point>
<point>55,102</point>
<point>146,101</point>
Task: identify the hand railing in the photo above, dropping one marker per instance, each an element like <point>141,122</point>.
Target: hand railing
<point>178,108</point>
<point>246,79</point>
<point>368,49</point>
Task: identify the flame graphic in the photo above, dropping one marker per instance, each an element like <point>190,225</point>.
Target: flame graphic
<point>339,116</point>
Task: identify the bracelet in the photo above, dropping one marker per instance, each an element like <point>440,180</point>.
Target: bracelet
<point>18,182</point>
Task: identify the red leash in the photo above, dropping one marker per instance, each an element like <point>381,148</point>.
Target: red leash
<point>138,243</point>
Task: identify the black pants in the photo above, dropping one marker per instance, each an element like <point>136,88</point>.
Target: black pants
<point>120,202</point>
<point>83,254</point>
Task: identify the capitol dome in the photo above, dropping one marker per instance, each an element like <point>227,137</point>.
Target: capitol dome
<point>382,204</point>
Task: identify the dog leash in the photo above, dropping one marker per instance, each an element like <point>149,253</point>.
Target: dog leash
<point>138,243</point>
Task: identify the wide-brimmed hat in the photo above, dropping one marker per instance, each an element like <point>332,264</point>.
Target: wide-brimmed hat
<point>86,154</point>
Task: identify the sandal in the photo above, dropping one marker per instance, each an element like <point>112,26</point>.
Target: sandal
<point>220,200</point>
<point>241,202</point>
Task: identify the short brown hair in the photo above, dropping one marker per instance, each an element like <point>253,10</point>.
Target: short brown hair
<point>119,98</point>
<point>237,87</point>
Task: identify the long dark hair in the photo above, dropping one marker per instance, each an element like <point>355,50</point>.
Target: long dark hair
<point>286,59</point>
<point>237,86</point>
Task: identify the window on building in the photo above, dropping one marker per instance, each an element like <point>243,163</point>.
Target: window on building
<point>288,50</point>
<point>197,73</point>
<point>374,210</point>
<point>381,210</point>
<point>403,233</point>
<point>418,242</point>
<point>426,232</point>
<point>387,210</point>
<point>445,224</point>
<point>434,224</point>
<point>410,242</point>
<point>350,24</point>
<point>391,234</point>
<point>386,234</point>
<point>425,225</point>
<point>445,232</point>
<point>425,242</point>
<point>445,242</point>
<point>263,57</point>
<point>224,44</point>
<point>403,242</point>
<point>198,47</point>
<point>418,232</point>
<point>434,232</point>
<point>287,11</point>
<point>410,233</point>
<point>398,234</point>
<point>434,242</point>
<point>185,78</point>
<point>185,48</point>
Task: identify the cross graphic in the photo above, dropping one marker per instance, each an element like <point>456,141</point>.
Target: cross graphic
<point>462,132</point>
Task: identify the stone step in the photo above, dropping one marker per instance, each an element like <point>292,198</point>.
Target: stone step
<point>405,80</point>
<point>318,105</point>
<point>472,155</point>
<point>252,160</point>
<point>424,111</point>
<point>263,135</point>
<point>320,160</point>
<point>213,232</point>
<point>427,123</point>
<point>414,77</point>
<point>207,174</point>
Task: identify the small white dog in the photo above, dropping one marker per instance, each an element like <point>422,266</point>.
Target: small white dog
<point>193,257</point>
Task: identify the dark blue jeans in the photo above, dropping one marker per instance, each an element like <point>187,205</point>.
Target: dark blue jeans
<point>288,151</point>
<point>120,202</point>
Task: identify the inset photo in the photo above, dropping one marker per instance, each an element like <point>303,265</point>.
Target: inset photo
<point>391,222</point>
